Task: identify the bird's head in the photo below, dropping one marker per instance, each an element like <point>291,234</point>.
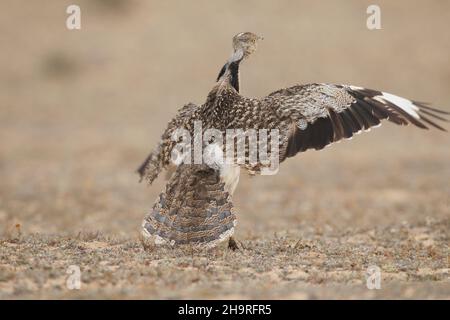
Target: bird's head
<point>244,44</point>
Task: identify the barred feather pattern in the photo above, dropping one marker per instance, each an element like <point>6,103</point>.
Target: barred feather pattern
<point>336,112</point>
<point>160,157</point>
<point>194,209</point>
<point>196,206</point>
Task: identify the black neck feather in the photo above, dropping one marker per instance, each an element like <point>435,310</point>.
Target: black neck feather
<point>233,73</point>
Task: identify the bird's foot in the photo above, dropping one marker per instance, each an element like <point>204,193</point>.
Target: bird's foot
<point>232,244</point>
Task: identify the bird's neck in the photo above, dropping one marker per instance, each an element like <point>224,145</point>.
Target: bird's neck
<point>230,71</point>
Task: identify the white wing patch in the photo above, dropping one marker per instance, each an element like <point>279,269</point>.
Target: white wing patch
<point>403,103</point>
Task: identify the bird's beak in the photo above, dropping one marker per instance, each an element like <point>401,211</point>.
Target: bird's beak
<point>260,38</point>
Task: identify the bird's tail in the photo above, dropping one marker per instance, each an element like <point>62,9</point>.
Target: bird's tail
<point>194,209</point>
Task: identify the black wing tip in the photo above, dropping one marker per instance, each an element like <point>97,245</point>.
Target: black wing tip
<point>141,172</point>
<point>426,105</point>
<point>425,109</point>
<point>427,120</point>
<point>397,115</point>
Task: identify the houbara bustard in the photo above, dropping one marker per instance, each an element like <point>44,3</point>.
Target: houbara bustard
<point>196,206</point>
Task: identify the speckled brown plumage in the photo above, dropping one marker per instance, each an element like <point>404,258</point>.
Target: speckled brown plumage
<point>194,208</point>
<point>308,116</point>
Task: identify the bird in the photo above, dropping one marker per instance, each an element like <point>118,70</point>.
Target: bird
<point>196,206</point>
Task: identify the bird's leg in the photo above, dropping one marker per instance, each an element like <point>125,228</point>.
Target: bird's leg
<point>232,244</point>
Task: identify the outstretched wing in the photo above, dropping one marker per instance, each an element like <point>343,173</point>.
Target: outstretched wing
<point>315,115</point>
<point>194,209</point>
<point>159,157</point>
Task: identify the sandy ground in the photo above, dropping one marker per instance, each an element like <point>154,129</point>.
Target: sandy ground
<point>79,110</point>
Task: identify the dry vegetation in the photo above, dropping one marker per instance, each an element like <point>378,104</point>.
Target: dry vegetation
<point>79,110</point>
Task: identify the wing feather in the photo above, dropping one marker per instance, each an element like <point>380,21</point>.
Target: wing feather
<point>336,112</point>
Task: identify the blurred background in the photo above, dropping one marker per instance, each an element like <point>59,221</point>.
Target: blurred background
<point>80,109</point>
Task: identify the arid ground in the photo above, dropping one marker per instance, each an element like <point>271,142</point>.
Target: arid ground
<point>79,110</point>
